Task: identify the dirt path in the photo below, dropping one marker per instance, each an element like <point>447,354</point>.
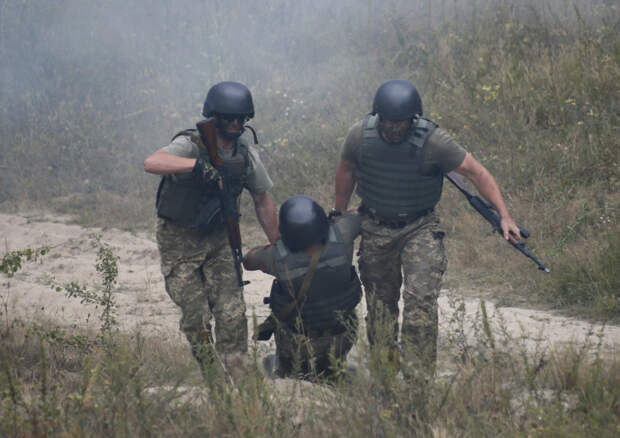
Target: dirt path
<point>144,305</point>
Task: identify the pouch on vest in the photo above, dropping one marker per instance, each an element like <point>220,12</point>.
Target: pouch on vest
<point>265,329</point>
<point>177,197</point>
<point>209,217</point>
<point>188,204</point>
<point>276,289</point>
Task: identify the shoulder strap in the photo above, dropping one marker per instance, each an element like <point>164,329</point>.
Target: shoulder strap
<point>423,130</point>
<point>253,133</point>
<point>314,261</point>
<point>187,132</point>
<point>194,137</point>
<point>244,149</point>
<point>369,131</point>
<point>369,126</point>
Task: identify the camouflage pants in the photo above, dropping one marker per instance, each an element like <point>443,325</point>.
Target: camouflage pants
<point>310,357</point>
<point>200,278</point>
<point>415,252</point>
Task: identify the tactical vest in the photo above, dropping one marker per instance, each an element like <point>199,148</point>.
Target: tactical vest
<point>392,179</point>
<point>334,292</point>
<point>184,199</point>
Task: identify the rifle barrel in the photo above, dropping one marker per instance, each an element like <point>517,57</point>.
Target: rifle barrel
<point>486,211</point>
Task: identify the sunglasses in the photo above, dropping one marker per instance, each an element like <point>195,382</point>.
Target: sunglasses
<point>232,117</point>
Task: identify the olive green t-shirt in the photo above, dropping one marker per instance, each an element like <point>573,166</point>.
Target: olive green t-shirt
<point>440,148</point>
<point>258,180</point>
<point>350,226</point>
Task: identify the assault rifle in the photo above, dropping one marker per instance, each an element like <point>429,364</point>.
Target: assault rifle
<point>230,213</point>
<point>486,210</point>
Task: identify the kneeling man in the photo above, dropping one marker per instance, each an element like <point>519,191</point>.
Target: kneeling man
<point>315,291</point>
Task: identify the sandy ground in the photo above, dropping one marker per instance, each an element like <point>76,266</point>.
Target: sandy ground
<point>143,304</point>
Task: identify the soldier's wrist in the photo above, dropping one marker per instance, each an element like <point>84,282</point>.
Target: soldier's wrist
<point>334,213</point>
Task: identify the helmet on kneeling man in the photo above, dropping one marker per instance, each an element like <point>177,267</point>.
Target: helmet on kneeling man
<point>302,223</point>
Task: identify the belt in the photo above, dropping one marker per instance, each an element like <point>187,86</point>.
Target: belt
<point>399,222</point>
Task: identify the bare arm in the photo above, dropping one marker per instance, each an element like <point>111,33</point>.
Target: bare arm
<point>251,262</point>
<point>266,214</point>
<point>345,183</point>
<point>163,163</point>
<point>484,182</point>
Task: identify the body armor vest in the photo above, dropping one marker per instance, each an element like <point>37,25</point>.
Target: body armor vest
<point>334,291</point>
<point>393,180</point>
<point>186,200</point>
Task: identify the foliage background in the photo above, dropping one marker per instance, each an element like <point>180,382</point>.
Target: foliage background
<point>87,91</point>
<point>531,88</point>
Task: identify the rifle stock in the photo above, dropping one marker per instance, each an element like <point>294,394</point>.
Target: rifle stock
<point>486,211</point>
<point>206,129</point>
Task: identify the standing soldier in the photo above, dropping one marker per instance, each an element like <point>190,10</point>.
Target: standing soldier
<point>315,291</point>
<point>196,260</point>
<point>398,160</point>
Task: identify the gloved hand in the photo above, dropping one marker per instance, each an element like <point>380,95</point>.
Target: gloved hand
<point>205,171</point>
<point>333,214</point>
<point>265,329</point>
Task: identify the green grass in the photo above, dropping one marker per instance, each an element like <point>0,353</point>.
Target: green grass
<point>590,281</point>
<point>59,382</point>
<point>530,89</point>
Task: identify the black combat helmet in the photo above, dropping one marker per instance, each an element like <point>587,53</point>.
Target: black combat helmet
<point>303,222</point>
<point>228,98</point>
<point>397,100</point>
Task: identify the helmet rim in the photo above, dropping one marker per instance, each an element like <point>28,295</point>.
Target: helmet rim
<point>228,97</point>
<point>302,223</point>
<point>397,99</point>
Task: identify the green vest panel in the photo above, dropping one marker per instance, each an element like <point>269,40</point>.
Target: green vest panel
<point>185,200</point>
<point>334,292</point>
<point>392,180</point>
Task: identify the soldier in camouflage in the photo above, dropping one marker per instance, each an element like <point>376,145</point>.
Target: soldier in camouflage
<point>315,291</point>
<point>396,160</point>
<point>196,261</point>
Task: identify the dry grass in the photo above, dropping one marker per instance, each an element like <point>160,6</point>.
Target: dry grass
<point>56,382</point>
<point>511,83</point>
<point>531,90</point>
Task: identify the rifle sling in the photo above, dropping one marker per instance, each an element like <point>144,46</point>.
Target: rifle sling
<point>314,261</point>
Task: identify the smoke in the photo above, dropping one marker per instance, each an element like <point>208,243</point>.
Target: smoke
<point>121,76</point>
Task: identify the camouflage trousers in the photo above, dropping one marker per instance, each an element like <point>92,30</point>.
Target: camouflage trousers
<point>415,254</point>
<point>200,278</point>
<point>310,357</point>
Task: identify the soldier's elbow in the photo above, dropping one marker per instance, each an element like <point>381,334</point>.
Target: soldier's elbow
<point>151,164</point>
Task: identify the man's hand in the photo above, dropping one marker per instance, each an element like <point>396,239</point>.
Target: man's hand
<point>487,187</point>
<point>510,230</point>
<point>334,214</point>
<point>205,171</point>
